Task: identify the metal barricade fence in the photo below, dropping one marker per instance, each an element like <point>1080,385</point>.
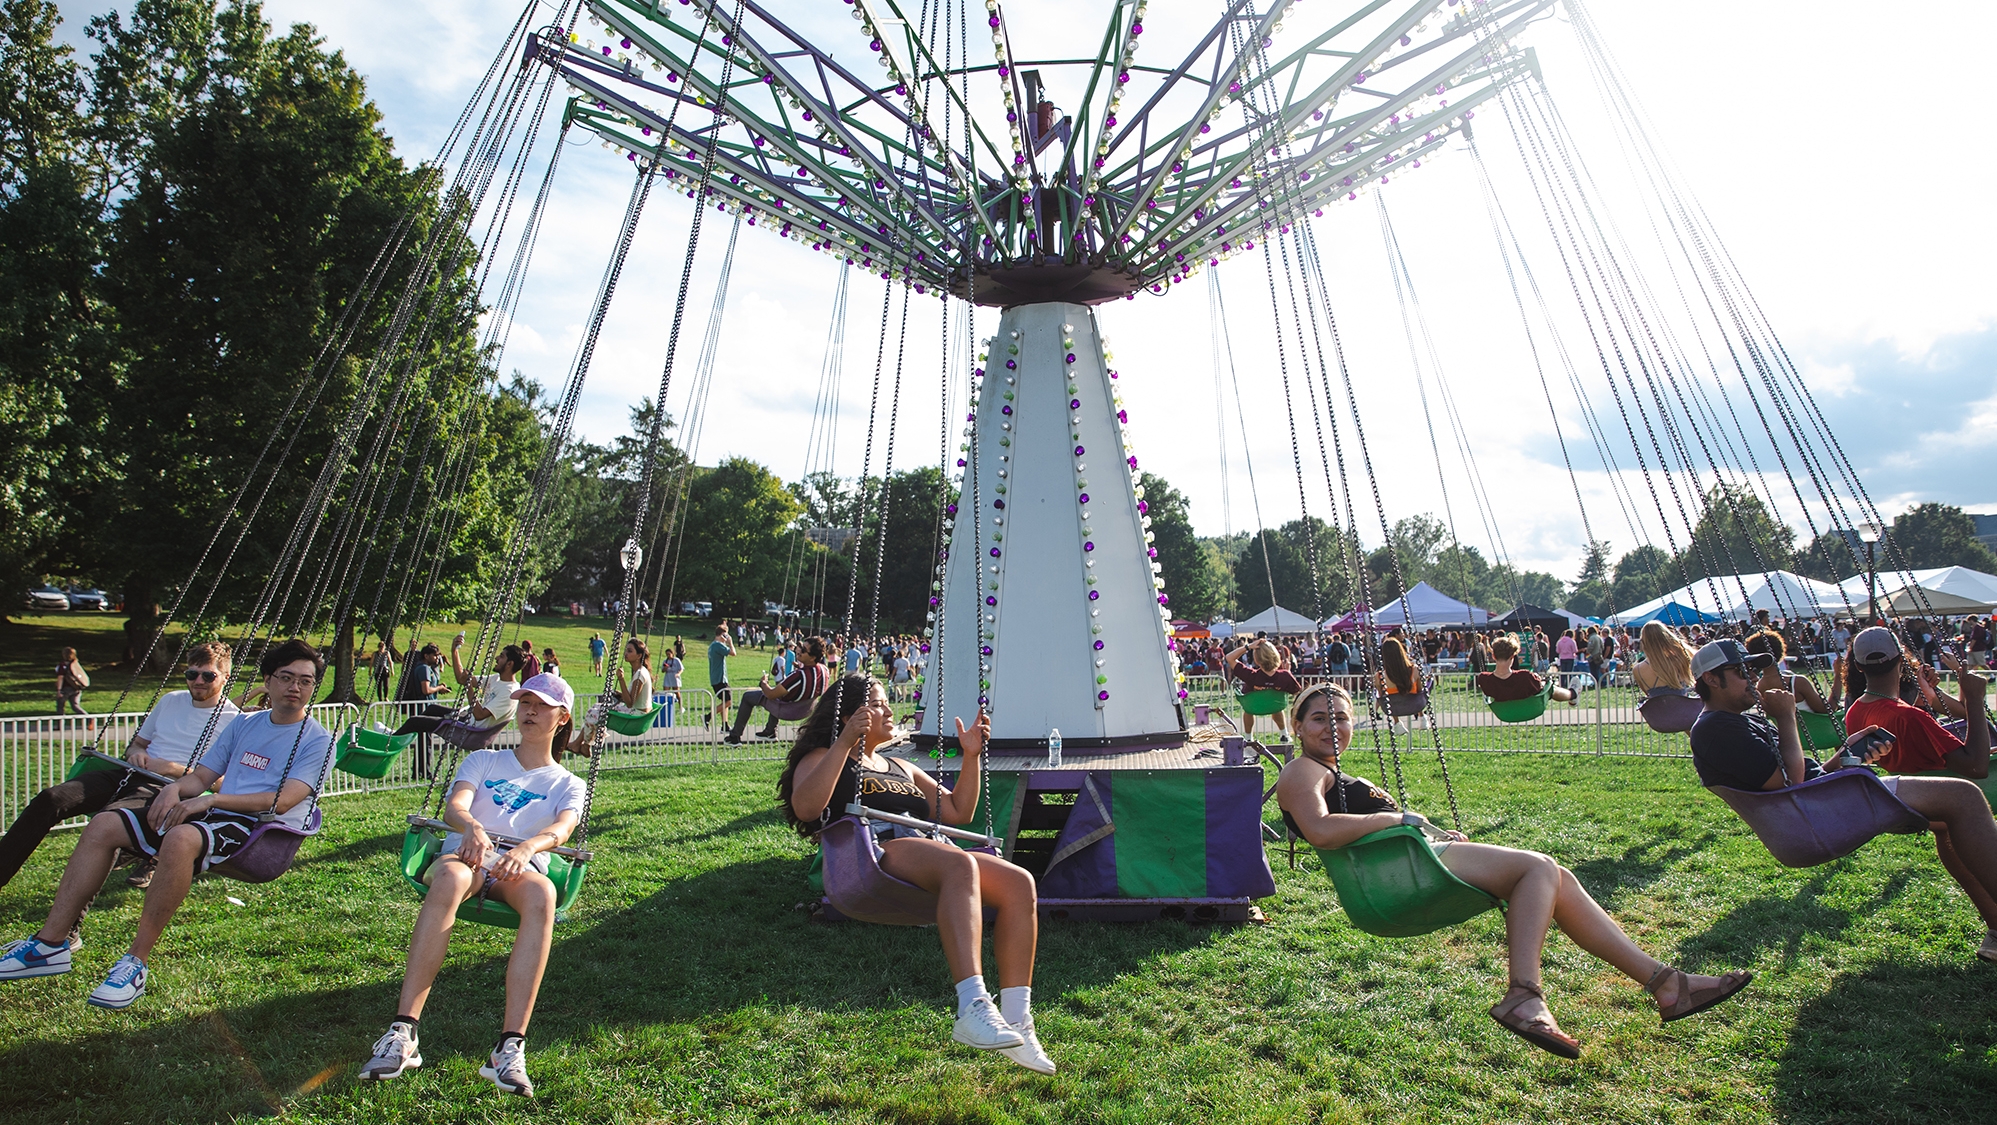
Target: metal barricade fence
<point>1603,722</point>
<point>35,752</point>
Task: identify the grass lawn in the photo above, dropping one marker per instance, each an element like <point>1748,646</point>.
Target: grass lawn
<point>31,642</point>
<point>691,987</point>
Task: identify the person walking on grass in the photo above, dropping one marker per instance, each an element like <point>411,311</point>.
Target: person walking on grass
<point>382,666</point>
<point>718,652</point>
<point>70,680</point>
<point>1331,809</point>
<point>523,794</point>
<point>596,650</point>
<point>264,764</point>
<point>164,745</point>
<point>670,670</point>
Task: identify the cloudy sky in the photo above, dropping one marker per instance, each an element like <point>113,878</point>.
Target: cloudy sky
<point>1859,218</point>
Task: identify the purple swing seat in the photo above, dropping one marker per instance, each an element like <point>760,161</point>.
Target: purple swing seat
<point>268,852</point>
<point>789,710</point>
<point>856,886</point>
<point>1405,705</point>
<point>467,736</point>
<point>1824,818</point>
<point>1669,713</point>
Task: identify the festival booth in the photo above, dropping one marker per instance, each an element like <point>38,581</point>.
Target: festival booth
<point>1424,605</point>
<point>1276,621</point>
<point>1944,591</point>
<point>1736,597</point>
<point>1673,614</point>
<point>1529,616</point>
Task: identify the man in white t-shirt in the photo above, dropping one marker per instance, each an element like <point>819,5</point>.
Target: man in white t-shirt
<point>492,696</point>
<point>265,764</point>
<point>165,742</point>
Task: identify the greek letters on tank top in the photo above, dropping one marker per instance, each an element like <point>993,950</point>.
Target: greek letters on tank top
<point>1361,797</point>
<point>884,790</point>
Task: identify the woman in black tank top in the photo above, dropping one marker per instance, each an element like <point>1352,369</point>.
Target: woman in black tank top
<point>825,774</point>
<point>1538,891</point>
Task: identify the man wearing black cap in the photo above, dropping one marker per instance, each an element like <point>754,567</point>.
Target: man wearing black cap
<point>1741,751</point>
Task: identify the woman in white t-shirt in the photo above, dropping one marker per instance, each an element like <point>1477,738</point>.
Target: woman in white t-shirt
<point>634,693</point>
<point>526,801</point>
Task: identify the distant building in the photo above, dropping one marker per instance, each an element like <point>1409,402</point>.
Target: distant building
<point>834,539</point>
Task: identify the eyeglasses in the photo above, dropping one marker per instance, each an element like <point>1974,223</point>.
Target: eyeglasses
<point>286,679</point>
<point>208,677</point>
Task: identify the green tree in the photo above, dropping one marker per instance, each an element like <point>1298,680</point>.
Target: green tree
<point>732,553</point>
<point>1931,535</point>
<point>1290,564</point>
<point>1197,588</point>
<point>1736,535</point>
<point>1829,558</point>
<point>1508,586</point>
<point>1460,572</point>
<point>1641,575</point>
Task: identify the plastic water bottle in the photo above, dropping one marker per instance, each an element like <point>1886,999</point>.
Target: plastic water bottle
<point>1054,749</point>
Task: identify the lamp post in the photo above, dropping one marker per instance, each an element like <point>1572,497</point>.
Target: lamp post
<point>1868,534</point>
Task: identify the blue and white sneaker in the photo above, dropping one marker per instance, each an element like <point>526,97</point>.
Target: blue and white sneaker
<point>30,958</point>
<point>123,987</point>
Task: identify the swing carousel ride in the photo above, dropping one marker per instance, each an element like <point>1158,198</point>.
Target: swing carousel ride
<point>1046,184</point>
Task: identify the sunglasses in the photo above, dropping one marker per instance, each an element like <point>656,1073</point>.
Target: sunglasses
<point>204,677</point>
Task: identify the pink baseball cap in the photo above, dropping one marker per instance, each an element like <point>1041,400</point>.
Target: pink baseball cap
<point>548,688</point>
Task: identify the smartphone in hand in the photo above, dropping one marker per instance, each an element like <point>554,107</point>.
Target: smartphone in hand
<point>1867,745</point>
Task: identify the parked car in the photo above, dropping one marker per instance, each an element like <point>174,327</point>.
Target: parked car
<point>47,597</point>
<point>81,598</point>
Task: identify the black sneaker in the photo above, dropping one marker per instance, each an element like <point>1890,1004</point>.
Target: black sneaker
<point>732,739</point>
<point>143,876</point>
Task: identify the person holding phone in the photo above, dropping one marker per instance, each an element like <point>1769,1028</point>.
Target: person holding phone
<point>1739,751</point>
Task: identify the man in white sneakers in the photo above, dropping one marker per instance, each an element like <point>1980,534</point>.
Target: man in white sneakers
<point>266,763</point>
<point>164,745</point>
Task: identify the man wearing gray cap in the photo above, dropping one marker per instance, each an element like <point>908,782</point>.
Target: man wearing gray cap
<point>1740,751</point>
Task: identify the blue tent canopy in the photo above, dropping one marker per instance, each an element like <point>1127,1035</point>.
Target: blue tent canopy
<point>1675,613</point>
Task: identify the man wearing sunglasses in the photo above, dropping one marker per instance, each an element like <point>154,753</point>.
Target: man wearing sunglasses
<point>266,764</point>
<point>164,744</point>
<point>1741,751</point>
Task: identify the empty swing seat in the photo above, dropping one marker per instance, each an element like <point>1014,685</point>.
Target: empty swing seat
<point>1262,701</point>
<point>369,753</point>
<point>1824,818</point>
<point>268,852</point>
<point>1392,885</point>
<point>633,723</point>
<point>1522,710</point>
<point>1670,712</point>
<point>1820,733</point>
<point>420,848</point>
<point>468,736</point>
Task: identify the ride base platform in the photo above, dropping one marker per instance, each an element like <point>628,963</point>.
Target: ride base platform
<point>1172,833</point>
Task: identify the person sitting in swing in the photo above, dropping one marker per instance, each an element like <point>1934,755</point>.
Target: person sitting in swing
<point>1537,890</point>
<point>524,793</point>
<point>266,763</point>
<point>1258,666</point>
<point>164,744</point>
<point>1667,662</point>
<point>493,703</point>
<point>825,773</point>
<point>806,681</point>
<point>1740,751</point>
<point>1504,683</point>
<point>1777,675</point>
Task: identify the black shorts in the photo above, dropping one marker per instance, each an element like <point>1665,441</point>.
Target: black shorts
<point>223,834</point>
<point>722,693</point>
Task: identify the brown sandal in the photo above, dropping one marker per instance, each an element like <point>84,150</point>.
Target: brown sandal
<point>1692,1001</point>
<point>1540,1031</point>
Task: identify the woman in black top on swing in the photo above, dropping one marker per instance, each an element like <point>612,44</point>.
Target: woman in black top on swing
<point>823,775</point>
<point>1537,890</point>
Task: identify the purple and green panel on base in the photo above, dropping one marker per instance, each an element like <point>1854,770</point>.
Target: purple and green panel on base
<point>1135,844</point>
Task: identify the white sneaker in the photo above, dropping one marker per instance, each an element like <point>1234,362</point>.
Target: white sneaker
<point>394,1053</point>
<point>1988,950</point>
<point>30,958</point>
<point>508,1067</point>
<point>1028,1054</point>
<point>123,986</point>
<point>982,1027</point>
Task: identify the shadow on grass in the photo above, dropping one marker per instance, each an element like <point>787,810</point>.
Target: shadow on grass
<point>1639,866</point>
<point>1771,922</point>
<point>1939,1024</point>
<point>697,952</point>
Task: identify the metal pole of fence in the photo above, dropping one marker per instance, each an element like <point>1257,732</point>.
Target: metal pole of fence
<point>1599,732</point>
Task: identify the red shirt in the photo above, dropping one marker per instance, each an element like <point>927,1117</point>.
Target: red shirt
<point>1251,678</point>
<point>1923,744</point>
<point>1504,689</point>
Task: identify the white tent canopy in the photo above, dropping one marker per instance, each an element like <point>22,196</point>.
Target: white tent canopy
<point>1427,605</point>
<point>1943,589</point>
<point>1276,619</point>
<point>1781,593</point>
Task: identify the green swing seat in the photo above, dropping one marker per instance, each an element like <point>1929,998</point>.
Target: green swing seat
<point>1521,710</point>
<point>1392,885</point>
<point>420,848</point>
<point>369,753</point>
<point>88,763</point>
<point>1821,733</point>
<point>633,723</point>
<point>1262,701</point>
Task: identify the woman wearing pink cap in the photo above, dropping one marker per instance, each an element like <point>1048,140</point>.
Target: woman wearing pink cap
<point>524,794</point>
